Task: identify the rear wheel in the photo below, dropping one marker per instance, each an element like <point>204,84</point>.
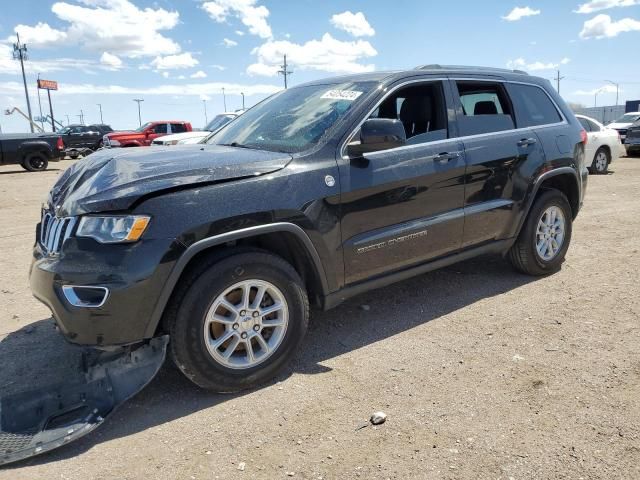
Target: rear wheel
<point>544,240</point>
<point>35,162</point>
<point>239,322</point>
<point>601,161</point>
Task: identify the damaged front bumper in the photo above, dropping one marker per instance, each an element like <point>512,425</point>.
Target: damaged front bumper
<point>40,420</point>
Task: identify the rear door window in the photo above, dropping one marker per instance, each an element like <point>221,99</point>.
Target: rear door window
<point>585,124</point>
<point>485,108</point>
<point>533,106</point>
<point>178,128</point>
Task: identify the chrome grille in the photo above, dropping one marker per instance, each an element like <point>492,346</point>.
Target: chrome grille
<point>54,231</point>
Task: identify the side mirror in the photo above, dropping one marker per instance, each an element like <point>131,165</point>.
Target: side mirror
<point>378,134</point>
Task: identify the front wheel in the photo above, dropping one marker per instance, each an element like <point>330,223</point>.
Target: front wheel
<point>601,161</point>
<point>239,322</point>
<point>544,240</point>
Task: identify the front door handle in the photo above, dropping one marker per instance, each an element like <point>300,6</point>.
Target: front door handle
<point>525,142</point>
<point>446,157</point>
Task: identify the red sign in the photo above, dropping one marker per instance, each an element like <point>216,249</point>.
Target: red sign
<point>47,84</point>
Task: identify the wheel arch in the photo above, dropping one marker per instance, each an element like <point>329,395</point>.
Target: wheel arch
<point>605,147</point>
<point>564,179</point>
<point>286,240</point>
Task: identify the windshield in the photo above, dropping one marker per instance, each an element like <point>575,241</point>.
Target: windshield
<point>218,122</point>
<point>143,127</point>
<point>64,131</point>
<point>293,120</point>
<point>628,118</point>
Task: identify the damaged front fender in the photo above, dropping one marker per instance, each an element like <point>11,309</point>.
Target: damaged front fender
<point>40,420</point>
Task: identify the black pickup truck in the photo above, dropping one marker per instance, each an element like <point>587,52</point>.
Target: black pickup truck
<point>33,151</point>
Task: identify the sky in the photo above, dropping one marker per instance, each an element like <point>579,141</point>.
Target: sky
<point>178,55</point>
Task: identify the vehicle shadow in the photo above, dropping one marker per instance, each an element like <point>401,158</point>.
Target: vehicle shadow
<point>13,172</point>
<point>359,322</point>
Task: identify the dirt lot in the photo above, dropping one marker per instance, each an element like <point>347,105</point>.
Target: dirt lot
<point>484,373</point>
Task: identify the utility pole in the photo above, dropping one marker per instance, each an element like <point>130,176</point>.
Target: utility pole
<point>241,93</point>
<point>206,120</point>
<point>81,117</point>
<point>20,53</point>
<point>100,105</point>
<point>617,85</point>
<point>138,101</point>
<point>284,71</point>
<point>68,122</point>
<point>595,101</point>
<point>557,79</point>
<point>40,106</point>
<point>224,99</point>
<point>53,122</point>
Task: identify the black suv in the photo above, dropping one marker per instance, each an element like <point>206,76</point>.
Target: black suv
<point>318,193</point>
<point>77,138</point>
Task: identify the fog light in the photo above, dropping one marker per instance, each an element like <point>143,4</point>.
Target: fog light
<point>85,297</point>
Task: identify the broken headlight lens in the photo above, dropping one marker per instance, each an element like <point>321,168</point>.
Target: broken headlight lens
<point>113,229</point>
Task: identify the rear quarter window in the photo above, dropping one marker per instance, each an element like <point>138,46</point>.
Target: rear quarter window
<point>533,106</point>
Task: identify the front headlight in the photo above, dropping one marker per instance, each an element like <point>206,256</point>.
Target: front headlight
<point>114,143</point>
<point>173,142</point>
<point>113,229</point>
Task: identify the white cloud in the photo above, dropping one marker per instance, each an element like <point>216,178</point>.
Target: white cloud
<point>327,55</point>
<point>198,74</point>
<point>229,43</point>
<point>519,13</point>
<point>598,5</point>
<point>192,89</point>
<point>165,74</point>
<point>42,35</point>
<point>601,26</point>
<point>116,26</point>
<point>222,68</point>
<point>171,62</point>
<point>253,16</point>
<point>353,23</point>
<point>522,64</point>
<point>9,66</point>
<point>603,89</point>
<point>240,33</point>
<point>109,60</point>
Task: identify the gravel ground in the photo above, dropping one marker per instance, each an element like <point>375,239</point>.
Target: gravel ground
<point>483,372</point>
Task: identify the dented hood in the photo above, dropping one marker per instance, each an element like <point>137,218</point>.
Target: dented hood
<point>111,180</point>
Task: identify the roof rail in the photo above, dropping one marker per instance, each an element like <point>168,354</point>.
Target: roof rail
<point>436,66</point>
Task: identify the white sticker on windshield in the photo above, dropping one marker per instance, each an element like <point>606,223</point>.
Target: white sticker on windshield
<point>349,95</point>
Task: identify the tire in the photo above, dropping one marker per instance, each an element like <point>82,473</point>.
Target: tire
<point>524,254</point>
<point>74,154</point>
<point>203,292</point>
<point>35,162</point>
<point>601,161</point>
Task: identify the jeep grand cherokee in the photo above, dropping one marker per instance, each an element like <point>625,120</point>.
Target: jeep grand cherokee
<point>318,193</point>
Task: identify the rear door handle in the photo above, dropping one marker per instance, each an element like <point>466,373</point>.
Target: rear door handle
<point>525,142</point>
<point>446,157</point>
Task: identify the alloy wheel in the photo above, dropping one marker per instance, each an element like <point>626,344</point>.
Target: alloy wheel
<point>246,324</point>
<point>550,233</point>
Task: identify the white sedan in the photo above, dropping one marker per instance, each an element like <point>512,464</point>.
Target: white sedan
<point>603,145</point>
<point>196,136</point>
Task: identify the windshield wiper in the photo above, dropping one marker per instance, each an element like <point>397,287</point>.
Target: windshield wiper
<point>237,145</point>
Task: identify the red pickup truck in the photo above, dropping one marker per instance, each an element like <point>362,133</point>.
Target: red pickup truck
<point>143,136</point>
